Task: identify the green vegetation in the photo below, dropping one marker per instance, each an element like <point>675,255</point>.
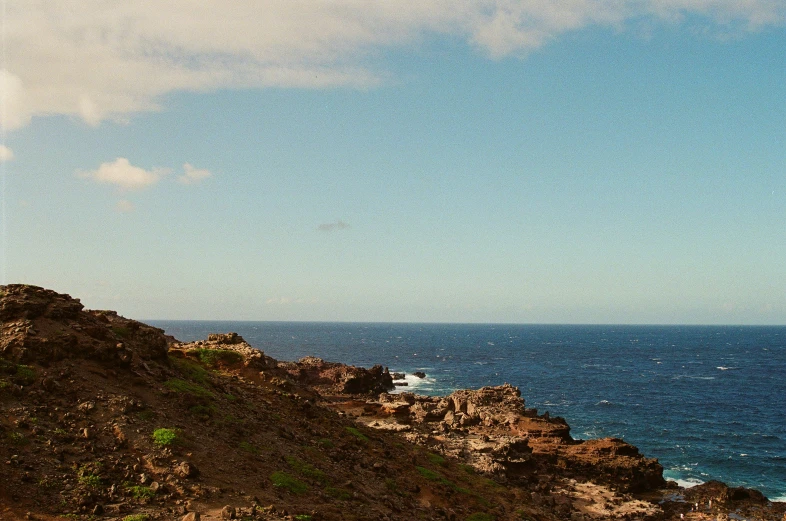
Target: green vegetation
<point>356,433</point>
<point>325,443</point>
<point>121,331</point>
<point>165,437</point>
<point>17,438</point>
<point>287,482</point>
<point>192,370</point>
<point>88,475</point>
<point>202,410</point>
<point>146,415</point>
<point>436,459</point>
<point>430,474</point>
<point>216,357</point>
<point>247,447</point>
<point>306,470</point>
<point>184,386</point>
<point>19,374</point>
<point>139,491</point>
<point>303,517</point>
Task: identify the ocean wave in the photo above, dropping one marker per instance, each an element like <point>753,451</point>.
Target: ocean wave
<point>722,368</point>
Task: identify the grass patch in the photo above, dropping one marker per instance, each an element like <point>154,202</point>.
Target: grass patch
<point>140,492</point>
<point>184,386</point>
<point>356,433</point>
<point>287,482</point>
<point>165,437</point>
<point>430,474</point>
<point>306,470</point>
<point>216,357</point>
<point>436,459</point>
<point>192,370</point>
<point>17,438</point>
<point>121,331</point>
<point>202,410</point>
<point>87,475</point>
<point>303,517</point>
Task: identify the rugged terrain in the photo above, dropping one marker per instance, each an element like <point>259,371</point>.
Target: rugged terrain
<point>102,417</point>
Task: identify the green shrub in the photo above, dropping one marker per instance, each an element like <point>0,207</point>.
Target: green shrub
<point>216,357</point>
<point>165,437</point>
<point>325,443</point>
<point>140,492</point>
<point>25,375</point>
<point>287,482</point>
<point>356,433</point>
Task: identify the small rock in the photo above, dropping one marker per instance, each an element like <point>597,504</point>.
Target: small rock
<point>228,512</point>
<point>192,516</point>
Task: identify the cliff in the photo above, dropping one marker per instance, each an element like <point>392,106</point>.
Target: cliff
<point>102,417</point>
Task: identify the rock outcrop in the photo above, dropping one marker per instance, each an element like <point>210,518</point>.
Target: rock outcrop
<point>102,417</point>
<point>42,326</point>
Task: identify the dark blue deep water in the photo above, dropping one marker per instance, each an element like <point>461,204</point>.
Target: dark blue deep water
<point>708,402</point>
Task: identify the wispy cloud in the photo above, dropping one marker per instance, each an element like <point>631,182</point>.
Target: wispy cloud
<point>124,175</point>
<point>329,227</point>
<point>87,58</point>
<point>6,154</point>
<point>192,175</point>
<point>124,206</point>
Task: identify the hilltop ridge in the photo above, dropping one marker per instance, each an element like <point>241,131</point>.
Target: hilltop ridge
<point>103,417</point>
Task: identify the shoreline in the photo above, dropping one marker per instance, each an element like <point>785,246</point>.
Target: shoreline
<point>106,417</point>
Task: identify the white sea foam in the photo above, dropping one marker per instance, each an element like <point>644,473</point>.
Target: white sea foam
<point>414,384</point>
<point>779,499</point>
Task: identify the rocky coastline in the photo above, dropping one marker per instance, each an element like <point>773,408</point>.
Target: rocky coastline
<point>102,417</point>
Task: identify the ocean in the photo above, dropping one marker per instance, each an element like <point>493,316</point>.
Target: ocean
<point>707,401</point>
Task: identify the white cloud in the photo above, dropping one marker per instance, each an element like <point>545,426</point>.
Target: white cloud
<point>124,206</point>
<point>123,174</point>
<point>6,154</point>
<point>106,59</point>
<point>329,227</point>
<point>192,175</point>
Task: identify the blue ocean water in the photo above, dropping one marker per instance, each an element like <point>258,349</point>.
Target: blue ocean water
<point>706,401</point>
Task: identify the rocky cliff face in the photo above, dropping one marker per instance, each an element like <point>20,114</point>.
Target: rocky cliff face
<point>102,417</point>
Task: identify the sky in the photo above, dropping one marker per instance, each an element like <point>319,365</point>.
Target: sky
<point>502,161</point>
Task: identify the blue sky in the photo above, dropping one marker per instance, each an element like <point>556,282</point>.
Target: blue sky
<point>591,162</point>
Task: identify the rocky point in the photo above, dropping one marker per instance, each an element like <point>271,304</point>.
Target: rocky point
<point>103,417</point>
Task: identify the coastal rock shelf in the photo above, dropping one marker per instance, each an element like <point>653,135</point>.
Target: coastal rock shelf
<point>102,417</point>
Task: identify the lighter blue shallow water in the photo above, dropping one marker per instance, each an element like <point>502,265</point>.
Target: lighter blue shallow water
<point>706,401</point>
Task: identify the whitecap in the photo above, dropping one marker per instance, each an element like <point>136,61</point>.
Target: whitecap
<point>722,368</point>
